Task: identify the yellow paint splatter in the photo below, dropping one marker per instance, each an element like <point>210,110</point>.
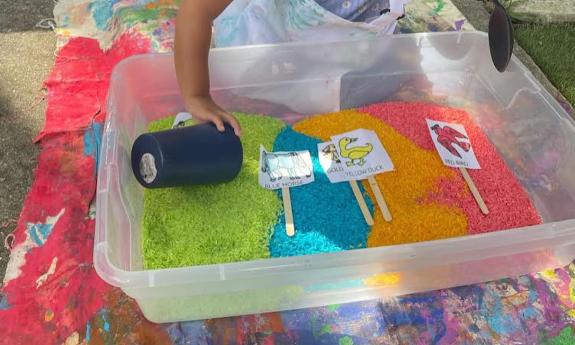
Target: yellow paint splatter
<point>384,279</point>
<point>417,174</point>
<point>549,275</point>
<point>48,315</point>
<point>156,4</point>
<point>571,313</point>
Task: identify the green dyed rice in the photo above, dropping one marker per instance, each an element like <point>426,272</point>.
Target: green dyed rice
<point>199,225</point>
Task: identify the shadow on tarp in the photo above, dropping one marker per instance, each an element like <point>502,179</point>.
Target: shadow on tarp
<point>17,162</point>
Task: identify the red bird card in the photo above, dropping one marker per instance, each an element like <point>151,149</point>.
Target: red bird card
<point>453,144</point>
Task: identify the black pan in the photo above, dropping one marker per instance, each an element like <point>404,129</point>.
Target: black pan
<point>500,37</point>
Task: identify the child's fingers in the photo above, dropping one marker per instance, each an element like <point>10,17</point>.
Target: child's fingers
<point>218,116</point>
<point>233,122</point>
<point>217,120</point>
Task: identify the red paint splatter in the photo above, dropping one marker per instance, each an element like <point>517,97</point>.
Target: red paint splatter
<point>508,202</point>
<point>74,292</point>
<point>65,179</point>
<point>78,84</point>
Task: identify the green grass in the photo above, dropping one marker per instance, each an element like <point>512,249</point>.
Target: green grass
<point>552,47</point>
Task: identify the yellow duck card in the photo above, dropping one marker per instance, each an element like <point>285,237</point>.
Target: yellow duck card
<point>361,154</point>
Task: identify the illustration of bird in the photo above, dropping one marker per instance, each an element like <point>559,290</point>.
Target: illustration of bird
<point>356,154</point>
<point>448,137</point>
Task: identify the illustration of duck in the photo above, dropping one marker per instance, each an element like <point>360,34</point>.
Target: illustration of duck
<point>357,154</point>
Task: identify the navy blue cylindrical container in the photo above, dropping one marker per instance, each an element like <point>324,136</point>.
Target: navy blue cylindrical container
<point>192,155</point>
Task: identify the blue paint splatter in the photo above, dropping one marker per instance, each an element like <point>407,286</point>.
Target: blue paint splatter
<point>102,11</point>
<point>424,312</point>
<point>106,325</point>
<point>418,299</point>
<point>472,293</point>
<point>500,321</point>
<point>88,332</point>
<point>4,302</point>
<point>326,215</point>
<point>39,233</point>
<point>314,326</point>
<point>191,332</point>
<point>93,140</point>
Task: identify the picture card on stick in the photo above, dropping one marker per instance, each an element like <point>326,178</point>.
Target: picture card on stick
<point>361,154</point>
<point>331,162</point>
<point>453,145</point>
<point>285,169</point>
<point>332,165</point>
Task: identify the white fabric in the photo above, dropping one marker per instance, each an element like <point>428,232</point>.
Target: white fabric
<point>181,118</point>
<point>247,22</point>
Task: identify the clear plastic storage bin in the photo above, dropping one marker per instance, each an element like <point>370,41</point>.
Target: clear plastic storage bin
<point>292,81</point>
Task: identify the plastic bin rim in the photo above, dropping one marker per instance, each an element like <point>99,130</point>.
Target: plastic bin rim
<point>560,232</point>
<point>129,59</point>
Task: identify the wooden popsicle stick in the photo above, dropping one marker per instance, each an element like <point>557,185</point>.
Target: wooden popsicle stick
<point>361,202</point>
<point>474,191</point>
<point>290,227</point>
<point>380,198</point>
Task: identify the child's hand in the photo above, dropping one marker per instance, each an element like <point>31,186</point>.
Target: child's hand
<point>205,109</point>
<point>191,50</point>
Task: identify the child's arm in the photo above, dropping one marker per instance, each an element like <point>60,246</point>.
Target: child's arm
<point>191,47</point>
